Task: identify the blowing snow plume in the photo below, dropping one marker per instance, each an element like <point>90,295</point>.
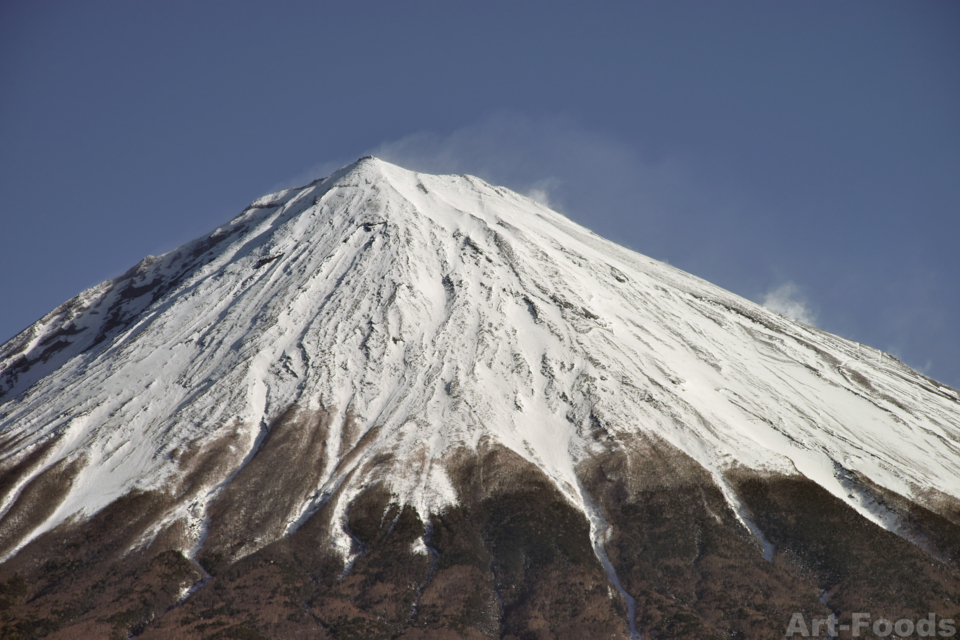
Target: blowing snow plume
<point>392,404</point>
<point>787,301</point>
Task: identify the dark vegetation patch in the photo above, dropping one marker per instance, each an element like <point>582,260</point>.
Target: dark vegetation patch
<point>866,567</point>
<point>204,464</point>
<point>544,572</point>
<point>37,501</point>
<point>512,560</point>
<point>297,585</point>
<point>349,432</point>
<point>680,551</point>
<point>935,533</point>
<point>13,473</point>
<point>239,632</point>
<point>943,504</point>
<point>77,580</point>
<point>99,577</point>
<point>461,595</point>
<point>514,537</point>
<point>264,494</point>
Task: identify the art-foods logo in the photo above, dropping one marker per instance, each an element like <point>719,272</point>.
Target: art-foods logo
<point>862,625</point>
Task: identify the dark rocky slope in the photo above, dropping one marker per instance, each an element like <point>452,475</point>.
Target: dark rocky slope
<point>513,560</point>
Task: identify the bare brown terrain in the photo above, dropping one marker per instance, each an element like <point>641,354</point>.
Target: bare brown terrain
<point>513,560</point>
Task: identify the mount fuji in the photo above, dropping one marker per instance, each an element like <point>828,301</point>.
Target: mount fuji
<point>390,404</point>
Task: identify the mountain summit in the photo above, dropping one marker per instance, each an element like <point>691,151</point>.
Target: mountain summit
<point>391,404</point>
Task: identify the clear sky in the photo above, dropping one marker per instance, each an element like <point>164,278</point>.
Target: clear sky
<point>802,153</point>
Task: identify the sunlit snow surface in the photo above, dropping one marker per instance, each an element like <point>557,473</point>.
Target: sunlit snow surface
<point>444,310</point>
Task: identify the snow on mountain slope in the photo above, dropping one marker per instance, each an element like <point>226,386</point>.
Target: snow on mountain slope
<point>433,312</point>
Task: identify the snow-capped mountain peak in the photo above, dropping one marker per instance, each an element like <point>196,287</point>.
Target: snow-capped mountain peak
<point>413,317</point>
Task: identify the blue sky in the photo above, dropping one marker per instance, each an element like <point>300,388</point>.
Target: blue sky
<point>805,153</point>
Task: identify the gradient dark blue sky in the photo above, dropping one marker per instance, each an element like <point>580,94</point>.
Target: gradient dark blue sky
<point>806,144</point>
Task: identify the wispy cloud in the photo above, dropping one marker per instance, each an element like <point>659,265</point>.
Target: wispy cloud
<point>598,180</point>
<point>589,175</point>
<point>542,191</point>
<point>788,300</point>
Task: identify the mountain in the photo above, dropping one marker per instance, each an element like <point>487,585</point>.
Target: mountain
<point>390,404</point>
